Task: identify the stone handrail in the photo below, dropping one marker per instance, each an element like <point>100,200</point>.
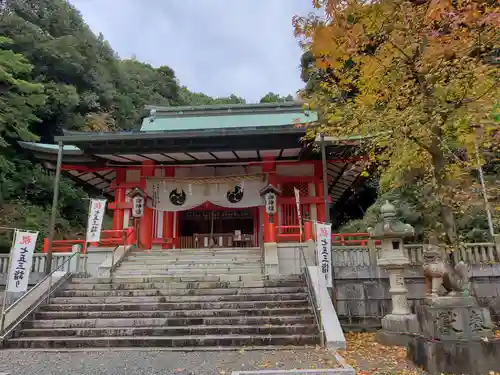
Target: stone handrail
<point>362,256</point>
<point>38,265</point>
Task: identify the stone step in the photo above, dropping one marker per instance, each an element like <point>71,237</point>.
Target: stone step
<point>178,292</point>
<point>172,306</point>
<point>186,278</point>
<point>186,285</point>
<point>175,314</point>
<point>193,272</point>
<point>161,341</point>
<point>189,267</point>
<point>161,299</point>
<point>267,329</point>
<point>171,322</point>
<point>197,252</point>
<point>186,260</point>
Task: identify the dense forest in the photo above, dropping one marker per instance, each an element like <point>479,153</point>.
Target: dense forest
<point>56,73</point>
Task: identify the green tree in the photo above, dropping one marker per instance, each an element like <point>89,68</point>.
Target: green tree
<point>271,97</point>
<point>20,98</point>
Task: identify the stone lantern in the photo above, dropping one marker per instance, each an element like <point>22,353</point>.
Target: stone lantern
<point>391,232</point>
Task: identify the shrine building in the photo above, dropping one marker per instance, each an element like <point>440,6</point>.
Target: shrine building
<point>203,171</point>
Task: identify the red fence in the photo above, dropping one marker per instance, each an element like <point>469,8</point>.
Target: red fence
<point>108,238</point>
<point>288,233</point>
<point>352,239</point>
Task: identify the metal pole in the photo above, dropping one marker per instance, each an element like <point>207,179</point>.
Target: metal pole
<point>327,209</point>
<point>485,196</point>
<point>325,178</point>
<point>55,202</point>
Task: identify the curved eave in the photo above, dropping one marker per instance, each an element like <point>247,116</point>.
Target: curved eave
<point>46,148</point>
<point>48,152</point>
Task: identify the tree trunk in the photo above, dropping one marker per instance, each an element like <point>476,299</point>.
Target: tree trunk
<point>447,215</point>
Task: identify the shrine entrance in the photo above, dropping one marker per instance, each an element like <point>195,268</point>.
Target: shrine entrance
<point>218,227</point>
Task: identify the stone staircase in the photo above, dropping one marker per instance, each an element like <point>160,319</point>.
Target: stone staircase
<point>182,299</point>
<point>192,262</point>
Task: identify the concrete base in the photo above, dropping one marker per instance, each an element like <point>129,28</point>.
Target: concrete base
<point>473,357</point>
<point>396,329</point>
<point>392,338</point>
<point>271,263</point>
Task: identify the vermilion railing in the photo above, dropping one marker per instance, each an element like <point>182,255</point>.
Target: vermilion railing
<point>289,233</point>
<point>108,238</point>
<point>353,239</point>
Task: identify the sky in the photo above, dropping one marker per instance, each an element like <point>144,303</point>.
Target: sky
<point>218,47</point>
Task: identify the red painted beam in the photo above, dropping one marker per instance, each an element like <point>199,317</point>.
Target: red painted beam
<point>120,205</point>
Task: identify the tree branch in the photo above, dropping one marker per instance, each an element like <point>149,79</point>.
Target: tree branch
<point>468,101</point>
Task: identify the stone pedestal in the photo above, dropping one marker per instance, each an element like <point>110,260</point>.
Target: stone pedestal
<point>447,318</point>
<point>397,329</point>
<point>456,336</point>
<point>400,322</point>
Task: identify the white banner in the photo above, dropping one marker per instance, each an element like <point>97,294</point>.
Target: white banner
<point>96,215</point>
<point>181,196</point>
<point>324,251</point>
<point>297,202</point>
<point>21,257</point>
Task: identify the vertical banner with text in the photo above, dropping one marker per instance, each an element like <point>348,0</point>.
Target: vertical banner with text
<point>21,258</point>
<point>299,215</point>
<point>96,215</point>
<point>324,251</point>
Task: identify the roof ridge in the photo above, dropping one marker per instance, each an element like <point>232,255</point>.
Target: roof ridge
<point>226,107</point>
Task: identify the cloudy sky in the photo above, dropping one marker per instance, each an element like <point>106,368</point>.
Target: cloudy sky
<point>218,47</point>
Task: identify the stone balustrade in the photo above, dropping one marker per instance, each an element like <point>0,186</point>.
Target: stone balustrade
<point>38,265</point>
<point>362,256</point>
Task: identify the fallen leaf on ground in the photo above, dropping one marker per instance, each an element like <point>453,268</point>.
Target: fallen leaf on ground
<point>371,358</point>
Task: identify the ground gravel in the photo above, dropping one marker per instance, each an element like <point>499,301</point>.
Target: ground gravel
<point>138,362</point>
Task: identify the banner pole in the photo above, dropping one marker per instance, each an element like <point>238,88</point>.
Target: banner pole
<point>325,178</point>
<point>318,275</point>
<point>86,232</point>
<point>4,300</point>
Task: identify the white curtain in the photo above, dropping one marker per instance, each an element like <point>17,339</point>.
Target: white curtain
<point>182,196</point>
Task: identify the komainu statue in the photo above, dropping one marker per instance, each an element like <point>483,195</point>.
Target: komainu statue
<point>438,273</point>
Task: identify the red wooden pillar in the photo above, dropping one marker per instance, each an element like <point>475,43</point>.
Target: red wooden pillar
<point>270,228</point>
<point>319,188</point>
<point>177,241</point>
<point>168,218</point>
<point>119,198</point>
<point>146,221</point>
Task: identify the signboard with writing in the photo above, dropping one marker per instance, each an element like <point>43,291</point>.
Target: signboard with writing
<point>96,215</point>
<point>137,206</point>
<point>20,261</point>
<point>323,251</point>
<point>297,202</point>
<point>270,203</point>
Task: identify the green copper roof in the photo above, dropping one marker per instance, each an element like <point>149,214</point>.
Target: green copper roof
<point>226,117</point>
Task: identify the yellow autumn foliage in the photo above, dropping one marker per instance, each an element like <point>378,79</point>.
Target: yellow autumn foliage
<point>422,73</point>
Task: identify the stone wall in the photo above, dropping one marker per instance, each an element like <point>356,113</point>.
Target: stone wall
<point>362,288</point>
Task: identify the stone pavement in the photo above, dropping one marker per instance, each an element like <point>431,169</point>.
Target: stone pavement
<point>152,362</point>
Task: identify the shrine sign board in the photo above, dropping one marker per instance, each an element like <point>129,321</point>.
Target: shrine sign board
<point>137,206</point>
<point>21,258</point>
<point>270,203</point>
<point>323,251</point>
<point>96,216</point>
